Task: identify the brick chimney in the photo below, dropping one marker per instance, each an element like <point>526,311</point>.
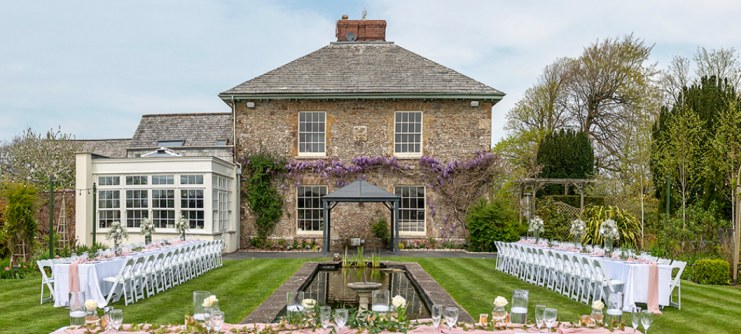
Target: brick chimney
<point>361,30</point>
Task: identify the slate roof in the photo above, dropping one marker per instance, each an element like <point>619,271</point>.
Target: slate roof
<point>111,148</point>
<point>362,70</point>
<point>197,130</point>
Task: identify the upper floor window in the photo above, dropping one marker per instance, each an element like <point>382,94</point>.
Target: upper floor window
<point>163,179</point>
<point>191,179</point>
<point>309,208</point>
<point>136,180</point>
<point>411,208</point>
<point>109,180</point>
<point>408,133</point>
<point>311,133</point>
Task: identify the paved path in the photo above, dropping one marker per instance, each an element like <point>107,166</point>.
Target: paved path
<point>384,255</point>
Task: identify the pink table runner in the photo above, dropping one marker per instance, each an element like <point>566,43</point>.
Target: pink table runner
<point>74,277</point>
<point>419,330</point>
<point>653,289</point>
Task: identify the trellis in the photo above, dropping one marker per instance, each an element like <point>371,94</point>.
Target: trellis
<point>529,188</point>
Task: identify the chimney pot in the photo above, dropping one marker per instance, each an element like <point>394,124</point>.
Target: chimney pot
<point>344,16</point>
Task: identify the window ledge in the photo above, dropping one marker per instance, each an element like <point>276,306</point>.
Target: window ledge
<point>408,156</point>
<point>310,157</point>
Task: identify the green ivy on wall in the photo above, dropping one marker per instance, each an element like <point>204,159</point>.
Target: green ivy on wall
<point>260,190</point>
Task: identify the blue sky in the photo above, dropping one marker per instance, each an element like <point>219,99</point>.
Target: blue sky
<point>94,67</point>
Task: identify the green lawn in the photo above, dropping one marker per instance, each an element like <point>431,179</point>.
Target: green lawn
<point>244,284</point>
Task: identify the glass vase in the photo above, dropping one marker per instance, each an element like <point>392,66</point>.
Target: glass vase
<point>537,236</point>
<point>199,312</point>
<point>182,236</point>
<point>77,310</point>
<point>608,246</point>
<point>518,311</point>
<point>498,314</point>
<point>147,239</point>
<point>597,316</point>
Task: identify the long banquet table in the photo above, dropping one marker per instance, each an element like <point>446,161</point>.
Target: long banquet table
<point>422,329</point>
<point>92,273</point>
<point>635,276</point>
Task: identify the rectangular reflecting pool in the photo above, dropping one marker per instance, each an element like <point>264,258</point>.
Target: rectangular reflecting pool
<point>329,283</point>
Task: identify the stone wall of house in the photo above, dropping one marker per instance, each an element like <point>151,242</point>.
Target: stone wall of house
<point>452,130</point>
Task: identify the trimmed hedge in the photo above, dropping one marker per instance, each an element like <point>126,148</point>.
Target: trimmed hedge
<point>492,221</point>
<point>711,271</point>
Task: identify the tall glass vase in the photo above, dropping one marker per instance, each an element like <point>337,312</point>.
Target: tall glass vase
<point>199,312</point>
<point>518,311</point>
<point>537,236</point>
<point>148,239</point>
<point>77,310</point>
<point>608,246</point>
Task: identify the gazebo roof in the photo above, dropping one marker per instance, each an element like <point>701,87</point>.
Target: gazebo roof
<point>360,191</point>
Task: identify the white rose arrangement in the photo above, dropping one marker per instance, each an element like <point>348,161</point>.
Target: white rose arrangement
<point>210,301</point>
<point>147,227</point>
<point>117,233</point>
<point>535,225</point>
<point>609,229</point>
<point>181,225</point>
<point>578,227</point>
<point>308,303</point>
<point>398,301</point>
<point>500,301</point>
<point>91,305</point>
<point>598,305</point>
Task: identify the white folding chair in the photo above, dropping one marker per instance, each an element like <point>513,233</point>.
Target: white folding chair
<point>611,285</point>
<point>664,261</point>
<point>122,280</point>
<point>676,283</point>
<point>139,278</point>
<point>46,280</point>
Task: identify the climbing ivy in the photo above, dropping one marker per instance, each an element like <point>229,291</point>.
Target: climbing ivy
<point>261,192</point>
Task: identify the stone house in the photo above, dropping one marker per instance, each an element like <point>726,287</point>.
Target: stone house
<point>360,101</point>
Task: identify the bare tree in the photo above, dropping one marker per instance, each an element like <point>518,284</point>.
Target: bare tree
<point>721,63</point>
<point>609,83</point>
<point>674,79</point>
<point>36,157</point>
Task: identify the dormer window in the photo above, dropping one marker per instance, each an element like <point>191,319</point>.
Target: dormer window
<point>170,143</point>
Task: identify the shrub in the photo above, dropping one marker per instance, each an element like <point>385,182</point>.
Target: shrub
<point>20,222</point>
<point>381,231</point>
<point>711,271</point>
<point>491,221</point>
<point>629,225</point>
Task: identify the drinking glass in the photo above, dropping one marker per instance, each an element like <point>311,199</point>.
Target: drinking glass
<point>451,317</point>
<point>340,318</point>
<point>199,313</point>
<point>498,314</point>
<point>116,318</point>
<point>518,312</point>
<point>325,314</point>
<point>437,313</point>
<point>549,316</point>
<point>539,316</point>
<point>380,301</point>
<point>217,320</point>
<point>207,320</point>
<point>636,318</point>
<point>646,319</point>
<point>77,310</point>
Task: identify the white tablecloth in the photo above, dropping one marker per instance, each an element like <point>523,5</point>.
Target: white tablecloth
<point>633,274</point>
<point>92,275</point>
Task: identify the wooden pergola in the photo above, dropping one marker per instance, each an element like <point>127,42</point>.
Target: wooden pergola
<point>529,188</point>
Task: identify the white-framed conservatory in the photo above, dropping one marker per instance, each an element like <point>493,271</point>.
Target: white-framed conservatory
<point>204,190</point>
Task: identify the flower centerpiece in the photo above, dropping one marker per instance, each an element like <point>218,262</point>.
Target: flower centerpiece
<point>147,228</point>
<point>578,227</point>
<point>597,315</point>
<point>610,233</point>
<point>181,225</point>
<point>499,313</point>
<point>535,226</point>
<point>117,233</point>
<point>400,307</point>
<point>91,308</point>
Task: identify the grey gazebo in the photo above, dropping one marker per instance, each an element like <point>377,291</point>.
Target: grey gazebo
<point>361,191</point>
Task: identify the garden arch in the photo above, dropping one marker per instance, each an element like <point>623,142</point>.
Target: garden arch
<point>361,191</point>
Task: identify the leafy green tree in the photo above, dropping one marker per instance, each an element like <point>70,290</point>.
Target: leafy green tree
<point>679,150</point>
<point>20,222</point>
<point>566,154</point>
<point>487,222</point>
